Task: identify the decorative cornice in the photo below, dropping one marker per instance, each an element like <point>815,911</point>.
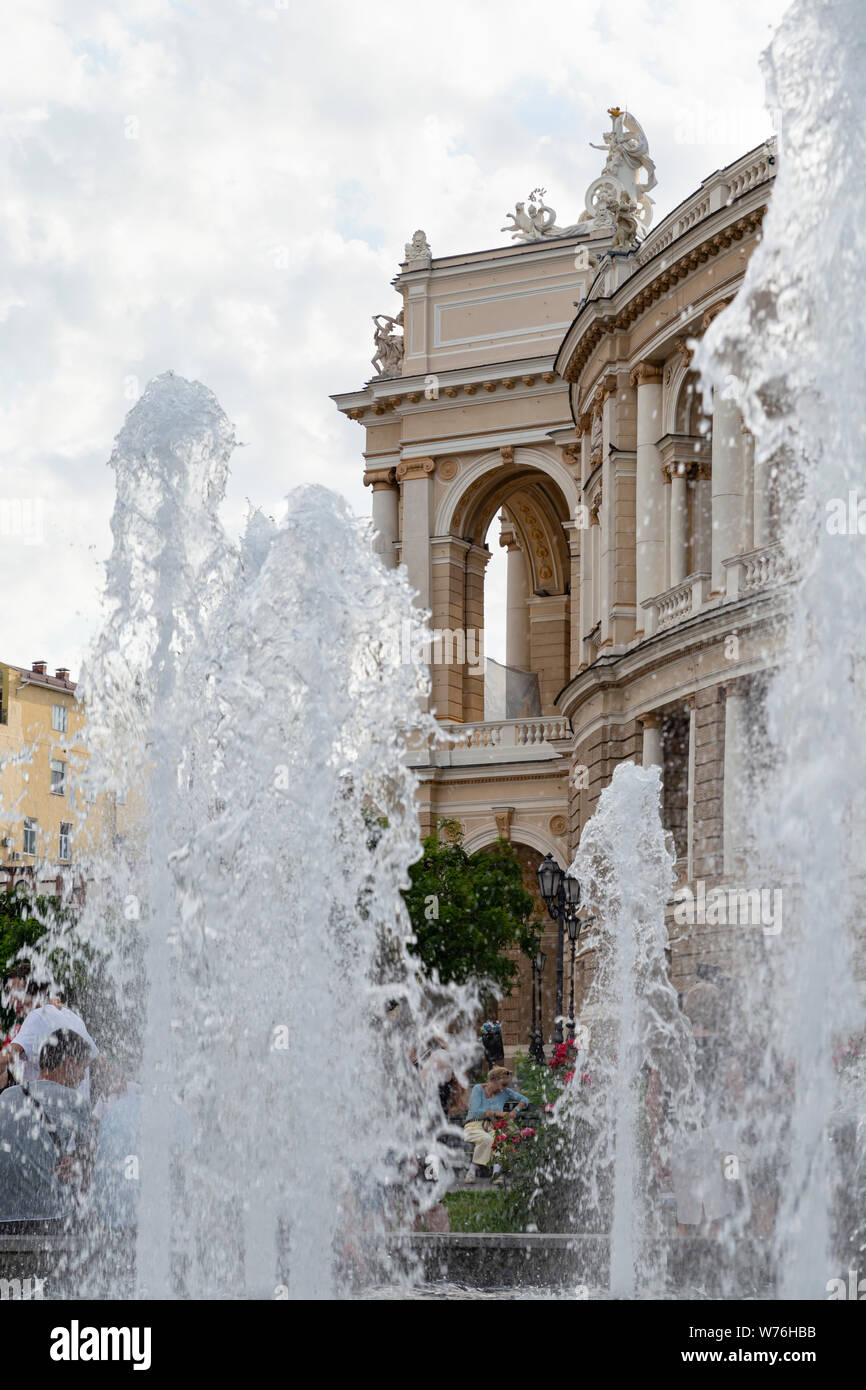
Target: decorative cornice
<point>410,469</point>
<point>614,321</point>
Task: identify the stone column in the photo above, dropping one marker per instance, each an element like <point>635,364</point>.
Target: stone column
<point>416,480</point>
<point>703,529</point>
<point>690,793</point>
<point>652,741</point>
<point>549,639</point>
<point>608,513</point>
<point>473,680</point>
<point>679,524</point>
<point>734,794</point>
<point>386,513</point>
<point>727,481</point>
<point>517,598</point>
<point>449,597</point>
<point>650,488</point>
<point>762,522</point>
<point>573,536</point>
<point>595,543</point>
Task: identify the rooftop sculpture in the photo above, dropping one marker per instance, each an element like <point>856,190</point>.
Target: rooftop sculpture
<point>617,201</point>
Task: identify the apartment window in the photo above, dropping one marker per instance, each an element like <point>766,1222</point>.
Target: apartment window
<point>59,718</point>
<point>65,833</point>
<point>29,835</point>
<point>58,777</point>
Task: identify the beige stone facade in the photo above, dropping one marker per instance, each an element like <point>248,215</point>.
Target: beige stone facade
<point>551,383</point>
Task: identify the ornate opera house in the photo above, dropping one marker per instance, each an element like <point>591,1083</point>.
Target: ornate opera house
<point>549,383</point>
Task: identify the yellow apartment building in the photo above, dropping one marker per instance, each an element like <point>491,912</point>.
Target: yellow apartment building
<point>47,826</point>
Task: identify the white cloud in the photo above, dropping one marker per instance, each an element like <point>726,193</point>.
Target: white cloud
<point>225,189</point>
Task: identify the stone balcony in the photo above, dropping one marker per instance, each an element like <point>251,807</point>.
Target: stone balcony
<point>676,604</point>
<point>757,570</point>
<point>501,741</point>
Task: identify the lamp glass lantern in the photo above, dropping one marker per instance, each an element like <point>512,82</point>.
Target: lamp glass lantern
<point>571,890</point>
<point>549,878</point>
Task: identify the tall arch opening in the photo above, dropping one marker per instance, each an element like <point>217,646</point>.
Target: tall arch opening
<point>518,511</point>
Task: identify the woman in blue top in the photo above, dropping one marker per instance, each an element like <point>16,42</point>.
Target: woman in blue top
<point>485,1105</point>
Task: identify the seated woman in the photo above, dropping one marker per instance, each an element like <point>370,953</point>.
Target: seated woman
<point>485,1105</point>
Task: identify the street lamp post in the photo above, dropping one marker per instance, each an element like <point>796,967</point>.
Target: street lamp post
<point>538,966</point>
<point>536,1049</point>
<point>532,1046</point>
<point>561,894</point>
<point>573,927</point>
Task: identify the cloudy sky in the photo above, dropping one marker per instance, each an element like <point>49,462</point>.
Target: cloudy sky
<point>225,188</point>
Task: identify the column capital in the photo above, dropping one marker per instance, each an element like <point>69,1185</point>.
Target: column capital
<point>733,689</point>
<point>605,388</point>
<point>653,720</point>
<point>509,540</point>
<point>645,371</point>
<point>584,422</point>
<point>379,479</point>
<point>414,468</point>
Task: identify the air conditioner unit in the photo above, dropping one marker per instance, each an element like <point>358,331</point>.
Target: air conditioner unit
<point>6,841</point>
<point>15,855</point>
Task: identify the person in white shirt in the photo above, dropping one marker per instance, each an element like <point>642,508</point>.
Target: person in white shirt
<point>21,1055</point>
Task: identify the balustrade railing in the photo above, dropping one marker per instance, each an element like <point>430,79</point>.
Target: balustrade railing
<point>508,733</point>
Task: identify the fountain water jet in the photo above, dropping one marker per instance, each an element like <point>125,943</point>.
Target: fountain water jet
<point>790,351</point>
<point>257,698</point>
<point>635,1027</point>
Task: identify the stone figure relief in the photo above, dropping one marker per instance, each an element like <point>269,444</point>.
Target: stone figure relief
<point>387,359</point>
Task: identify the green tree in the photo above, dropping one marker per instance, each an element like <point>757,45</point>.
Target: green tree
<point>19,929</point>
<point>468,909</point>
